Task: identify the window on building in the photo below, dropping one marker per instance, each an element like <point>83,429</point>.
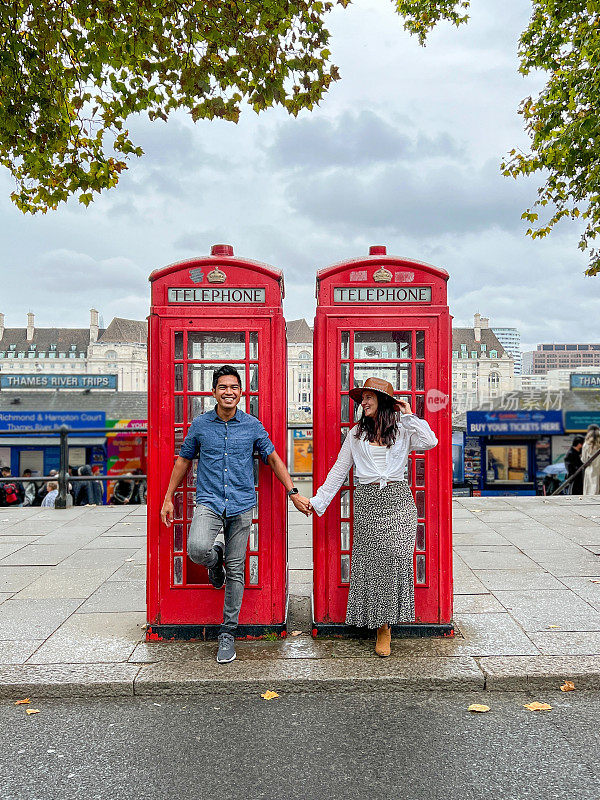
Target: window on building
<point>72,355</point>
<point>483,347</point>
<point>455,354</point>
<point>73,347</point>
<point>30,355</point>
<point>20,355</point>
<point>10,355</point>
<point>493,381</point>
<point>62,355</point>
<point>12,346</point>
<point>463,347</point>
<point>51,354</point>
<point>52,347</point>
<point>473,353</point>
<point>493,354</point>
<point>304,355</point>
<point>81,355</point>
<point>41,354</point>
<point>506,464</point>
<point>2,355</point>
<point>110,354</point>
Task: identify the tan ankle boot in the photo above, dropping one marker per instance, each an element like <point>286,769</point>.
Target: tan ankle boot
<point>383,646</point>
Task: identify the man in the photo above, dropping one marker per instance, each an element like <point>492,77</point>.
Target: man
<point>573,462</point>
<point>29,489</point>
<point>223,440</point>
<point>11,493</point>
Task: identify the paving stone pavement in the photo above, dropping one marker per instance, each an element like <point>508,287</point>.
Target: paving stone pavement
<point>526,610</point>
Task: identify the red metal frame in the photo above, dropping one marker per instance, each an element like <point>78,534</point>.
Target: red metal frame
<point>432,487</point>
<point>181,602</point>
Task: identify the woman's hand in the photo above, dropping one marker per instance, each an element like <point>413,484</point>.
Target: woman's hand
<point>404,407</point>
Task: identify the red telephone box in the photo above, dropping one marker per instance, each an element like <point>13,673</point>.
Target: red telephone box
<point>387,317</point>
<point>207,312</point>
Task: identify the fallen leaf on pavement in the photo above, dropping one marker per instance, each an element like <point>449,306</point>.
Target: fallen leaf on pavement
<point>554,626</point>
<point>478,707</point>
<point>269,695</point>
<point>568,686</point>
<point>595,580</point>
<point>21,702</point>
<point>295,633</point>
<point>129,559</point>
<point>32,711</point>
<point>127,523</point>
<point>477,510</point>
<point>535,706</point>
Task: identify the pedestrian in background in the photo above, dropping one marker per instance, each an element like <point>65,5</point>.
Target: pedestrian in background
<point>385,515</point>
<point>573,462</point>
<point>51,495</point>
<point>591,445</point>
<point>29,489</point>
<point>11,492</point>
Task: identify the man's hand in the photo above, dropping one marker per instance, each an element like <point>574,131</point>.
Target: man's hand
<point>302,504</point>
<point>166,512</point>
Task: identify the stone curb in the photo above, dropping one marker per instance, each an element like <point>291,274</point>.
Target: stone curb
<point>490,673</point>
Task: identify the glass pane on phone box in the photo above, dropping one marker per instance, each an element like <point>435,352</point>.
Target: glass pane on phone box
<point>223,346</point>
<point>178,537</point>
<point>253,341</point>
<point>358,410</point>
<point>256,507</point>
<point>397,374</point>
<point>420,503</point>
<point>178,438</point>
<point>200,376</point>
<point>344,536</point>
<point>178,570</point>
<point>345,568</point>
<point>191,475</point>
<point>344,406</point>
<point>344,377</point>
<point>255,469</point>
<point>345,503</point>
<point>178,378</point>
<point>178,409</point>
<point>382,344</point>
<point>179,345</point>
<point>198,405</point>
<point>253,381</point>
<point>420,471</point>
<point>420,376</point>
<point>343,434</point>
<point>253,570</point>
<point>191,504</point>
<point>178,505</point>
<point>345,345</point>
<point>253,406</point>
<point>421,569</point>
<point>420,346</point>
<point>420,544</point>
<point>420,406</point>
<point>253,540</point>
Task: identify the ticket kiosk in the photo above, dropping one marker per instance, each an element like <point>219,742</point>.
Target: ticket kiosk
<point>207,312</point>
<point>387,317</point>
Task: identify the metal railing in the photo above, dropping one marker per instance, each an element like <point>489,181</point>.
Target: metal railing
<point>63,478</point>
<point>572,477</point>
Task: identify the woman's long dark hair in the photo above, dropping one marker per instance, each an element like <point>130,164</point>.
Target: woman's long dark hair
<point>383,427</point>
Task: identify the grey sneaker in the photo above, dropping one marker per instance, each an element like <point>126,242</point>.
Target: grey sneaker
<point>226,652</point>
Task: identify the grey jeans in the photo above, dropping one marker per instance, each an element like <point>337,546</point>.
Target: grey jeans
<point>205,527</point>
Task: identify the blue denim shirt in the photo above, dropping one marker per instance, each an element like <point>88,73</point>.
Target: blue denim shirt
<point>225,475</point>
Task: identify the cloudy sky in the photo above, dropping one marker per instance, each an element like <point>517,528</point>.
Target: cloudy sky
<point>404,151</point>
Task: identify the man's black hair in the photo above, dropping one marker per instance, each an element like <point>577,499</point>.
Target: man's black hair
<point>226,369</point>
<point>578,440</point>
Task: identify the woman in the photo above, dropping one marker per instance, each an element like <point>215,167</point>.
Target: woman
<point>591,474</point>
<point>385,516</point>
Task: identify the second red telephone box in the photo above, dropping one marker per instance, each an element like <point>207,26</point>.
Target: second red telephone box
<point>386,317</point>
<point>207,312</point>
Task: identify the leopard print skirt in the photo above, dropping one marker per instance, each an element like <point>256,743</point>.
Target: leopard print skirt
<point>381,573</point>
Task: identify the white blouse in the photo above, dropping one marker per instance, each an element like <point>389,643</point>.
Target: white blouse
<point>414,433</point>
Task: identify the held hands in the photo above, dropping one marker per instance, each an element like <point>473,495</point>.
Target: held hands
<point>302,504</point>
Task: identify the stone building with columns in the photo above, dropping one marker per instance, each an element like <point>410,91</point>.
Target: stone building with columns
<point>300,370</point>
<point>117,350</point>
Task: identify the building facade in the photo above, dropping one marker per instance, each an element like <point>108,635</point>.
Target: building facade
<point>300,370</point>
<point>510,339</point>
<point>561,356</point>
<point>481,367</point>
<point>34,353</point>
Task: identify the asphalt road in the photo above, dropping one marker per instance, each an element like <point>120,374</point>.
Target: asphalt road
<point>401,746</point>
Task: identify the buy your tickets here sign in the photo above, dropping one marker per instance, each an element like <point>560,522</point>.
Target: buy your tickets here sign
<point>488,423</point>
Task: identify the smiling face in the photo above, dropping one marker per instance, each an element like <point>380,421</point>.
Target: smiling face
<point>227,392</point>
<point>369,403</point>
